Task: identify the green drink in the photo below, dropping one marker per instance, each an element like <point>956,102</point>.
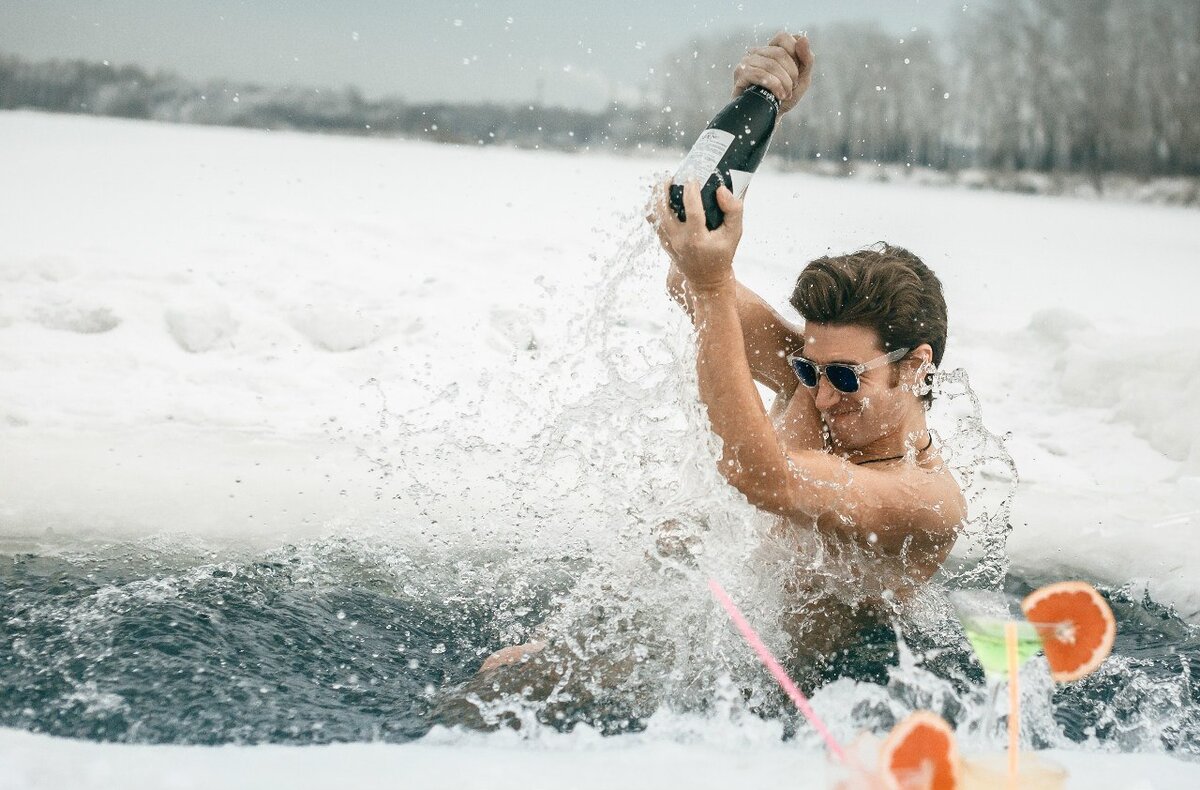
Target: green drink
<point>984,614</point>
<point>995,624</point>
<point>986,635</point>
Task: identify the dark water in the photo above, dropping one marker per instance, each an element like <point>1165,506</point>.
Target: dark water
<point>333,642</point>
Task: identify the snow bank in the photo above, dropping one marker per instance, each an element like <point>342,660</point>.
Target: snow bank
<point>580,761</point>
<point>1151,382</point>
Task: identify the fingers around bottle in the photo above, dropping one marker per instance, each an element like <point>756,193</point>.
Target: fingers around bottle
<point>741,79</point>
<point>804,55</point>
<point>774,61</point>
<point>663,219</point>
<point>782,39</point>
<point>783,57</point>
<point>665,215</point>
<point>731,207</point>
<point>754,75</point>
<point>693,206</point>
<point>726,201</point>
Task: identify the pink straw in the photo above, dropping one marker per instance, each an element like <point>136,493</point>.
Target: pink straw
<point>777,672</point>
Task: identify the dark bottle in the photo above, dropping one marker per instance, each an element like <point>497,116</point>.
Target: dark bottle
<point>727,152</point>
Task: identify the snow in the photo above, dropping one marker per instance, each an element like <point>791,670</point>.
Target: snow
<point>200,329</point>
<point>581,761</point>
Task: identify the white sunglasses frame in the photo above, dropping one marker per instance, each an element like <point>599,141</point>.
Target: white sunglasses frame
<point>857,370</point>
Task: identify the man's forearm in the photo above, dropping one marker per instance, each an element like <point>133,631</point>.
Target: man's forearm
<point>751,457</point>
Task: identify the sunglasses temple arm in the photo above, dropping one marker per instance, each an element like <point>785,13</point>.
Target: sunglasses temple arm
<point>886,359</point>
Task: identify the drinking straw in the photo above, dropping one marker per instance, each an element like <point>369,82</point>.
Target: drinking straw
<point>781,677</point>
<point>1014,704</point>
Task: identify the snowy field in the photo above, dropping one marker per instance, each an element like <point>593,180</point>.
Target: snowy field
<point>202,331</point>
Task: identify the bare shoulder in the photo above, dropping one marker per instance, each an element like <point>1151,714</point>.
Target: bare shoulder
<point>950,492</point>
<point>932,495</point>
<point>886,503</point>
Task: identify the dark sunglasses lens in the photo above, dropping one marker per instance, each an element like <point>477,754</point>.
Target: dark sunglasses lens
<point>842,378</point>
<point>805,372</point>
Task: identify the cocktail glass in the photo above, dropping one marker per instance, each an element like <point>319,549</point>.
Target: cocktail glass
<point>984,614</point>
<point>1003,641</point>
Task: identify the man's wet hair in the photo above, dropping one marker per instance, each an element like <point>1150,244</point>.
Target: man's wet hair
<point>882,287</point>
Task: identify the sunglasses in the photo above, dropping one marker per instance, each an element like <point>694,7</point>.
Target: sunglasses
<point>843,377</point>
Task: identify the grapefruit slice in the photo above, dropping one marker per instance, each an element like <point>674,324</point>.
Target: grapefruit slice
<point>1076,626</point>
<point>920,752</point>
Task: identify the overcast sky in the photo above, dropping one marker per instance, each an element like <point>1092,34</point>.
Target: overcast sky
<point>581,54</point>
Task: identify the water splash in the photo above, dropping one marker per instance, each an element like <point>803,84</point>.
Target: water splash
<point>988,476</point>
<point>609,461</point>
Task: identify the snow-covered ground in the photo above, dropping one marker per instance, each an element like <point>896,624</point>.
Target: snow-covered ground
<point>200,329</point>
<point>497,763</point>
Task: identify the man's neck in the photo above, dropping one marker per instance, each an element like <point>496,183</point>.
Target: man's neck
<point>912,434</point>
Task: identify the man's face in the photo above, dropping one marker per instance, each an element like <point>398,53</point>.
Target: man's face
<point>878,408</point>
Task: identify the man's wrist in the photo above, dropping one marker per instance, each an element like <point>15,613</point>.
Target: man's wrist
<point>711,287</point>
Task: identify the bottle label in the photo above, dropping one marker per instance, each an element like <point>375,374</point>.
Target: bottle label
<point>740,182</point>
<point>701,161</point>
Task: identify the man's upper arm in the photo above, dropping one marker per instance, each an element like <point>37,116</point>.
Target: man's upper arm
<point>769,339</point>
<point>861,501</point>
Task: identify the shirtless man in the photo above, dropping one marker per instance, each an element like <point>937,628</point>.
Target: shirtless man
<point>844,447</point>
<point>844,451</point>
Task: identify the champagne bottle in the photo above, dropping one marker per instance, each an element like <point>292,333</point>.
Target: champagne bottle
<point>727,152</point>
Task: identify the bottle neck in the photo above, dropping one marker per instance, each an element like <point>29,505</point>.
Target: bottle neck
<point>763,92</point>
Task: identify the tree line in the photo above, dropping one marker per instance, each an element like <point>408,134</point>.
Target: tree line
<point>1075,86</point>
<point>1064,86</point>
<point>128,91</point>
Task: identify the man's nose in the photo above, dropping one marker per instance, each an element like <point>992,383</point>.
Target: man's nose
<point>826,395</point>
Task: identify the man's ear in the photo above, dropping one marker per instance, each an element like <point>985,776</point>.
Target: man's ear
<point>923,368</point>
<point>918,359</point>
<point>924,353</point>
